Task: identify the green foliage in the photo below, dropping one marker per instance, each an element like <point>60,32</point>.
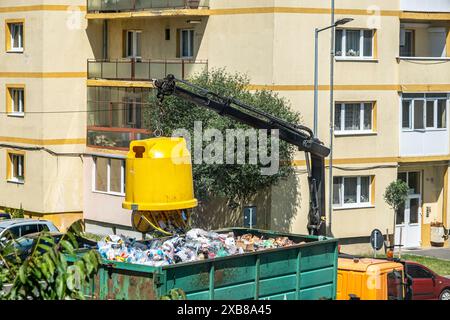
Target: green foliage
<point>396,194</point>
<point>15,213</point>
<point>233,181</point>
<point>45,274</point>
<point>174,294</point>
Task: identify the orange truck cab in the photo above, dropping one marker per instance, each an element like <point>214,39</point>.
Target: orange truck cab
<point>370,279</point>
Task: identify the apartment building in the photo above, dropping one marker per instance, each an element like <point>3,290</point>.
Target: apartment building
<point>391,95</point>
<point>43,93</point>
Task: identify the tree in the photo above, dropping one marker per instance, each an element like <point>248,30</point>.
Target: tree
<point>45,274</point>
<point>395,196</point>
<point>236,182</point>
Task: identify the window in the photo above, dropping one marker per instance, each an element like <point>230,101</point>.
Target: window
<point>412,179</point>
<point>15,100</point>
<point>109,175</point>
<point>395,286</point>
<point>12,233</point>
<point>16,167</point>
<point>133,112</point>
<point>187,43</point>
<point>43,227</point>
<point>417,272</point>
<point>14,36</point>
<point>354,43</point>
<point>353,117</point>
<point>424,112</point>
<point>406,43</point>
<point>28,228</point>
<point>351,191</point>
<point>133,44</point>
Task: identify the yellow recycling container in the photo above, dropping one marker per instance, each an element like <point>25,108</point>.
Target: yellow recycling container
<point>159,176</point>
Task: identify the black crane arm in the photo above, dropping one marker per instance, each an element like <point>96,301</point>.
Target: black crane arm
<point>298,135</point>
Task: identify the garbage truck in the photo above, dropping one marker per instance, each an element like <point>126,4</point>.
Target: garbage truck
<point>159,193</point>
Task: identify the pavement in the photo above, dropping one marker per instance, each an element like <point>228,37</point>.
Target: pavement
<point>440,253</point>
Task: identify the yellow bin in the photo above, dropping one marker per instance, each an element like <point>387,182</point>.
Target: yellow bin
<point>159,176</point>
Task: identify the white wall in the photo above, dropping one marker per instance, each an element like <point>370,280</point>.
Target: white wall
<point>423,143</point>
<point>425,5</point>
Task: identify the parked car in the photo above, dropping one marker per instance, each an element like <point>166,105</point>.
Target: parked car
<point>427,285</point>
<point>16,228</point>
<point>25,245</point>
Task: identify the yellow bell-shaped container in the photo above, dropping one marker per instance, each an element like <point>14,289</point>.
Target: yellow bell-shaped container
<point>159,176</point>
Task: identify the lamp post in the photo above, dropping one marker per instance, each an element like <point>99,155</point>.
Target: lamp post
<point>316,67</point>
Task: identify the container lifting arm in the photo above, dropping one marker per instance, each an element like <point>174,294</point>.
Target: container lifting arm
<point>298,135</point>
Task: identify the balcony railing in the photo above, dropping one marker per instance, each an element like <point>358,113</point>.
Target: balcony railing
<point>114,138</point>
<point>112,125</point>
<point>143,69</point>
<point>139,5</point>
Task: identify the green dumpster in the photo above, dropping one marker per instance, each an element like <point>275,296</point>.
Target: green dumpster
<point>305,271</point>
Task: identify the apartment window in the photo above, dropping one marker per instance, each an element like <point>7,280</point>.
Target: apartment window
<point>406,43</point>
<point>354,43</point>
<point>353,117</point>
<point>14,36</point>
<point>351,191</point>
<point>424,112</point>
<point>187,43</point>
<point>133,43</point>
<point>16,167</point>
<point>109,175</point>
<point>133,112</point>
<point>15,100</point>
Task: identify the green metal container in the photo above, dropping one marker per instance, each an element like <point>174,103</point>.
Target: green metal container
<point>305,271</point>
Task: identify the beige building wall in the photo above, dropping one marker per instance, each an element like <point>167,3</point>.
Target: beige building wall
<point>52,68</point>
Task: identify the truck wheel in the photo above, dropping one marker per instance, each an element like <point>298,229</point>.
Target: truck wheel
<point>445,294</point>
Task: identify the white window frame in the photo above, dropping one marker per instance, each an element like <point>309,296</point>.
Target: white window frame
<point>20,163</point>
<point>189,44</point>
<point>21,111</point>
<point>108,177</point>
<point>12,27</point>
<point>343,131</point>
<point>361,45</point>
<point>134,39</point>
<point>412,114</point>
<point>358,203</point>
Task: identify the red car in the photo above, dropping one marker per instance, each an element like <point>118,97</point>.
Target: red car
<point>427,285</point>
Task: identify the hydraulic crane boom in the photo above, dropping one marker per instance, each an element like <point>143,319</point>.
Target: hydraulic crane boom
<point>300,136</point>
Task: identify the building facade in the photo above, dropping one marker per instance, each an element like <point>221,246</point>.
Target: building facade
<point>391,95</point>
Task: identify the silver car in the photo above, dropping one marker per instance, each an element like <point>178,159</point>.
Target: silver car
<point>16,228</point>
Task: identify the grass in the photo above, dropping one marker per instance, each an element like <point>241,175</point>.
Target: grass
<point>440,266</point>
<point>93,236</point>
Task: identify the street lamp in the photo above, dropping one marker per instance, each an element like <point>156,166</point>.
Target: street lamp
<point>316,67</point>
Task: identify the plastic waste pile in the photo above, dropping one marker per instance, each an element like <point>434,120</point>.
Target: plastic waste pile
<point>196,245</point>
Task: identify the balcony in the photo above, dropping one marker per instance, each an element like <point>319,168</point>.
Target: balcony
<point>118,6</point>
<point>424,74</point>
<point>112,125</point>
<point>424,53</point>
<point>143,70</point>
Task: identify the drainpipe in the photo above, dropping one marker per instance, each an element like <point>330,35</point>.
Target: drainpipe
<point>105,40</point>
